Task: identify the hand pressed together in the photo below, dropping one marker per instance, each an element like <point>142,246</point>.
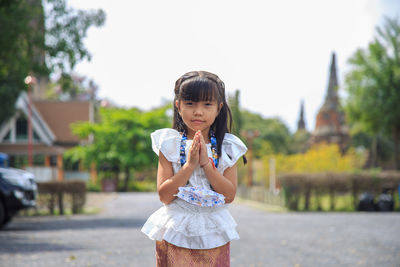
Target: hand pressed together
<point>194,155</point>
<point>203,158</point>
<point>198,151</point>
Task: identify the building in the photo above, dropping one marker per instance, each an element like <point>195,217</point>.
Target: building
<point>301,124</point>
<point>301,137</point>
<point>330,126</point>
<point>52,135</point>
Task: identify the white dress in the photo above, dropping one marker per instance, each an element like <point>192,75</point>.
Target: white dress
<point>184,224</point>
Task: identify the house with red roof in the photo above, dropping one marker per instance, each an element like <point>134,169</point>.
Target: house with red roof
<point>52,135</point>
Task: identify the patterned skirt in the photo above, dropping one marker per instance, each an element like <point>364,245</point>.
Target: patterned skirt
<point>169,255</point>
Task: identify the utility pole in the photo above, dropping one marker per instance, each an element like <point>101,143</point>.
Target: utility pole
<point>272,178</point>
<point>30,80</point>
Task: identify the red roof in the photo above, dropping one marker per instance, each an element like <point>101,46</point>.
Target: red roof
<point>59,116</point>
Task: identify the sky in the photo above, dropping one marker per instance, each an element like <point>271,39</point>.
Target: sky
<point>277,53</point>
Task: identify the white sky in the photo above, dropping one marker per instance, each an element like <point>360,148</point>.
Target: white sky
<point>275,52</point>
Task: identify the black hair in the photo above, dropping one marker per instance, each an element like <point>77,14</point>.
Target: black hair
<point>204,86</point>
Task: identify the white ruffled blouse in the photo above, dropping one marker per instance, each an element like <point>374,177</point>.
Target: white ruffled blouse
<point>184,224</point>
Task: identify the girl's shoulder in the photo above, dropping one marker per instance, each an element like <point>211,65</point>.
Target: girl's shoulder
<point>165,133</point>
<point>167,141</point>
<point>230,139</point>
<point>232,149</point>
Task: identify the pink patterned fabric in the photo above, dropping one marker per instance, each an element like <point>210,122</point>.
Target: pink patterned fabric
<point>169,255</point>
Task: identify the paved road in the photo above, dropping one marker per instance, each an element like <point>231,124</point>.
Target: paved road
<point>113,238</point>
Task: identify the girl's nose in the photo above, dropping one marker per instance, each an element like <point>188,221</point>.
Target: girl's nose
<point>198,111</point>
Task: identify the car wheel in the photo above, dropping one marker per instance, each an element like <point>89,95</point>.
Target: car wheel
<point>2,214</point>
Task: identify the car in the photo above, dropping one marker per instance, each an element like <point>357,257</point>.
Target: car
<point>18,190</point>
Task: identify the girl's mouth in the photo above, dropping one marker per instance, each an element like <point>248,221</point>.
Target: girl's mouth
<point>197,121</point>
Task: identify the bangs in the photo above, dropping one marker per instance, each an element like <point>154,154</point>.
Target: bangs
<point>199,89</point>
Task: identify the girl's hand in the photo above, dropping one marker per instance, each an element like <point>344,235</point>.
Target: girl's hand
<point>194,152</point>
<point>203,160</point>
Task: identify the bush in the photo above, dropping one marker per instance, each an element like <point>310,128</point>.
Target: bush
<point>93,187</point>
<point>334,184</point>
<point>142,186</point>
<point>319,158</point>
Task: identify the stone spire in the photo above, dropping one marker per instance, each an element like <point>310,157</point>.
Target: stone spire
<point>331,98</point>
<point>301,125</point>
<point>330,124</point>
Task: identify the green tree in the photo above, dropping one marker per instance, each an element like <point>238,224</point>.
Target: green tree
<point>373,86</point>
<point>380,146</point>
<point>66,29</point>
<point>121,140</point>
<point>274,134</point>
<point>41,41</point>
<point>16,46</point>
<point>299,142</point>
<point>234,104</point>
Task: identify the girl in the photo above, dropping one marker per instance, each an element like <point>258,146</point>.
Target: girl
<point>197,175</point>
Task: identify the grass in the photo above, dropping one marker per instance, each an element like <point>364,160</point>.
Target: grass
<point>261,206</point>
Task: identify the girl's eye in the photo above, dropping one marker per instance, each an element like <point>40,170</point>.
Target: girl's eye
<point>208,104</point>
<point>188,103</point>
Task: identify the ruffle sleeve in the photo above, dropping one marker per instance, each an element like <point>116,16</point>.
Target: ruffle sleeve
<point>167,141</point>
<point>232,149</point>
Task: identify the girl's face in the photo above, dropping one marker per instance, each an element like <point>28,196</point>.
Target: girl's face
<point>198,115</point>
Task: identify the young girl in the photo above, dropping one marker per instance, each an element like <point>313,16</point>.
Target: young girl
<point>197,176</point>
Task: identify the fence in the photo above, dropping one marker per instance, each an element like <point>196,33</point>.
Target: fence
<point>260,194</point>
<point>46,174</point>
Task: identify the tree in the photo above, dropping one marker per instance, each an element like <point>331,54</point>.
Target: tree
<point>65,30</point>
<point>373,86</point>
<point>300,141</point>
<point>121,140</point>
<point>234,104</point>
<point>380,147</point>
<point>16,42</point>
<point>39,42</point>
<point>274,134</point>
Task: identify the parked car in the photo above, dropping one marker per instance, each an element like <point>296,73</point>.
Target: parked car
<point>18,190</point>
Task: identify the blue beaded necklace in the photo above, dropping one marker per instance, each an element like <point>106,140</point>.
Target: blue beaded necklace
<point>214,150</point>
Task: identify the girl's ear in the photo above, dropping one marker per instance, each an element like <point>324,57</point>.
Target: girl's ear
<point>177,105</point>
<point>220,107</point>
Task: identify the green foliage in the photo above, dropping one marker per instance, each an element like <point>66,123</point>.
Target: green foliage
<point>39,41</point>
<point>299,142</point>
<point>142,186</point>
<point>65,30</point>
<point>16,47</point>
<point>234,104</point>
<point>333,190</point>
<point>274,134</point>
<point>319,158</point>
<point>93,187</point>
<point>121,139</point>
<point>373,84</point>
<point>383,144</point>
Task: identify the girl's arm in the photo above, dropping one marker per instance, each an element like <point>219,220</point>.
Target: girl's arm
<point>225,184</point>
<point>167,182</point>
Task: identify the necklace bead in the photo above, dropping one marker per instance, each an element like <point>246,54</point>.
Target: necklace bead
<point>214,151</point>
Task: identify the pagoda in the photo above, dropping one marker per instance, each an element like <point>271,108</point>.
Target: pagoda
<point>330,126</point>
<point>301,125</point>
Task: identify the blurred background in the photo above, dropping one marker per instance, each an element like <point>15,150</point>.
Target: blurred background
<point>314,87</point>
